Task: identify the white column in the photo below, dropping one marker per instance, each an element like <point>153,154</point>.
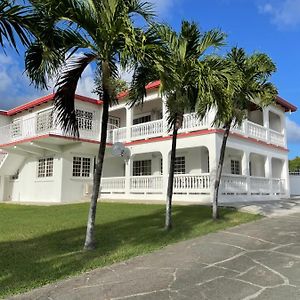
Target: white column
<point>128,167</point>
<point>245,170</point>
<point>266,121</point>
<point>268,167</point>
<point>129,118</point>
<point>165,116</point>
<point>283,126</point>
<point>165,169</point>
<point>286,177</point>
<point>214,156</point>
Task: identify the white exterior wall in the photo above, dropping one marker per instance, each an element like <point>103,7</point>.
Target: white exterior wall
<point>30,188</point>
<point>266,160</point>
<point>295,185</point>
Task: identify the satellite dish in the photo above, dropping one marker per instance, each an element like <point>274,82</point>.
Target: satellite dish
<point>119,150</point>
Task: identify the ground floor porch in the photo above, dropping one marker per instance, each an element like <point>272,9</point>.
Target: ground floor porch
<point>250,172</point>
<point>195,187</point>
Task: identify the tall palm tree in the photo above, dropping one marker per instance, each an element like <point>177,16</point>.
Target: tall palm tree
<point>99,32</point>
<point>249,81</point>
<point>14,21</point>
<point>183,81</point>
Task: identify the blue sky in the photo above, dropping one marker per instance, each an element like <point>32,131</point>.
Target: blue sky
<point>270,26</point>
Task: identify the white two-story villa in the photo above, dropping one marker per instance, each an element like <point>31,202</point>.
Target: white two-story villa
<point>40,163</point>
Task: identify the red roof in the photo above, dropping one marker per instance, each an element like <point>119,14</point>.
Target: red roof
<point>285,104</point>
<point>153,85</point>
<point>42,100</point>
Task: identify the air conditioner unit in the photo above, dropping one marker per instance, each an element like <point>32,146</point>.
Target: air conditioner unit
<point>88,189</point>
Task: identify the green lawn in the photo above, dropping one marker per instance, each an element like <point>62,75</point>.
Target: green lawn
<point>41,244</point>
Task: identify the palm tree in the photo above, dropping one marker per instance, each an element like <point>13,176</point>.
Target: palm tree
<point>99,32</point>
<point>14,20</point>
<point>249,80</point>
<point>183,82</point>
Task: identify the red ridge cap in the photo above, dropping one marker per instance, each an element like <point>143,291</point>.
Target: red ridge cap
<point>151,86</point>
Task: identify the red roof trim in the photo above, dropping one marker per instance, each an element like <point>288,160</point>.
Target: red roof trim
<point>285,104</point>
<point>46,99</point>
<point>151,140</point>
<point>203,132</point>
<point>153,85</point>
<point>47,136</point>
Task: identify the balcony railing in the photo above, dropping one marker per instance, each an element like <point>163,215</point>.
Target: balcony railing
<point>195,184</point>
<point>234,184</point>
<point>239,184</point>
<point>261,133</point>
<point>43,123</point>
<point>192,183</point>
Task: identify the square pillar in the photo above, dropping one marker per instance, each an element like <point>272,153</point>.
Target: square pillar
<point>165,116</point>
<point>246,170</point>
<point>268,167</point>
<point>266,120</point>
<point>128,167</point>
<point>129,119</point>
<point>165,169</point>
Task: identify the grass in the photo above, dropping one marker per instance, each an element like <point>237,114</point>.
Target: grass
<point>41,244</point>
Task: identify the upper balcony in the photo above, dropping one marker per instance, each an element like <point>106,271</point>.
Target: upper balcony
<point>42,124</point>
<point>127,125</point>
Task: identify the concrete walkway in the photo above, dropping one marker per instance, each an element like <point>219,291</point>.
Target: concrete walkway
<point>274,208</point>
<point>259,260</point>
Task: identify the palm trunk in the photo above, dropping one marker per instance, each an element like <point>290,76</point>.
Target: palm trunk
<point>90,231</point>
<point>219,173</point>
<point>168,221</point>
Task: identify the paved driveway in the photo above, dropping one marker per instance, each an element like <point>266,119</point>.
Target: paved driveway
<point>260,260</point>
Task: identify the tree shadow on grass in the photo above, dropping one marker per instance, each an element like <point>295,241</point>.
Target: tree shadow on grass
<point>34,262</point>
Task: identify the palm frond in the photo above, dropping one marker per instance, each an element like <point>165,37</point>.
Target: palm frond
<point>13,23</point>
<point>64,96</point>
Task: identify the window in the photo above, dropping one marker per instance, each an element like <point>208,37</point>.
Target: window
<point>113,122</point>
<point>45,167</point>
<point>142,168</point>
<point>81,166</point>
<point>85,119</point>
<point>179,167</point>
<point>143,119</point>
<point>44,121</point>
<point>235,167</point>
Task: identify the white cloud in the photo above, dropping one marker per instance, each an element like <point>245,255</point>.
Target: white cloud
<point>293,131</point>
<point>284,13</point>
<point>162,6</point>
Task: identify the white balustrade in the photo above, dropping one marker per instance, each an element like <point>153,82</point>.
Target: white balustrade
<point>44,123</point>
<point>278,186</point>
<point>192,183</point>
<point>147,130</point>
<point>260,185</point>
<point>119,135</point>
<point>113,184</point>
<point>192,122</point>
<point>256,131</point>
<point>233,184</point>
<point>144,184</point>
<point>277,138</point>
